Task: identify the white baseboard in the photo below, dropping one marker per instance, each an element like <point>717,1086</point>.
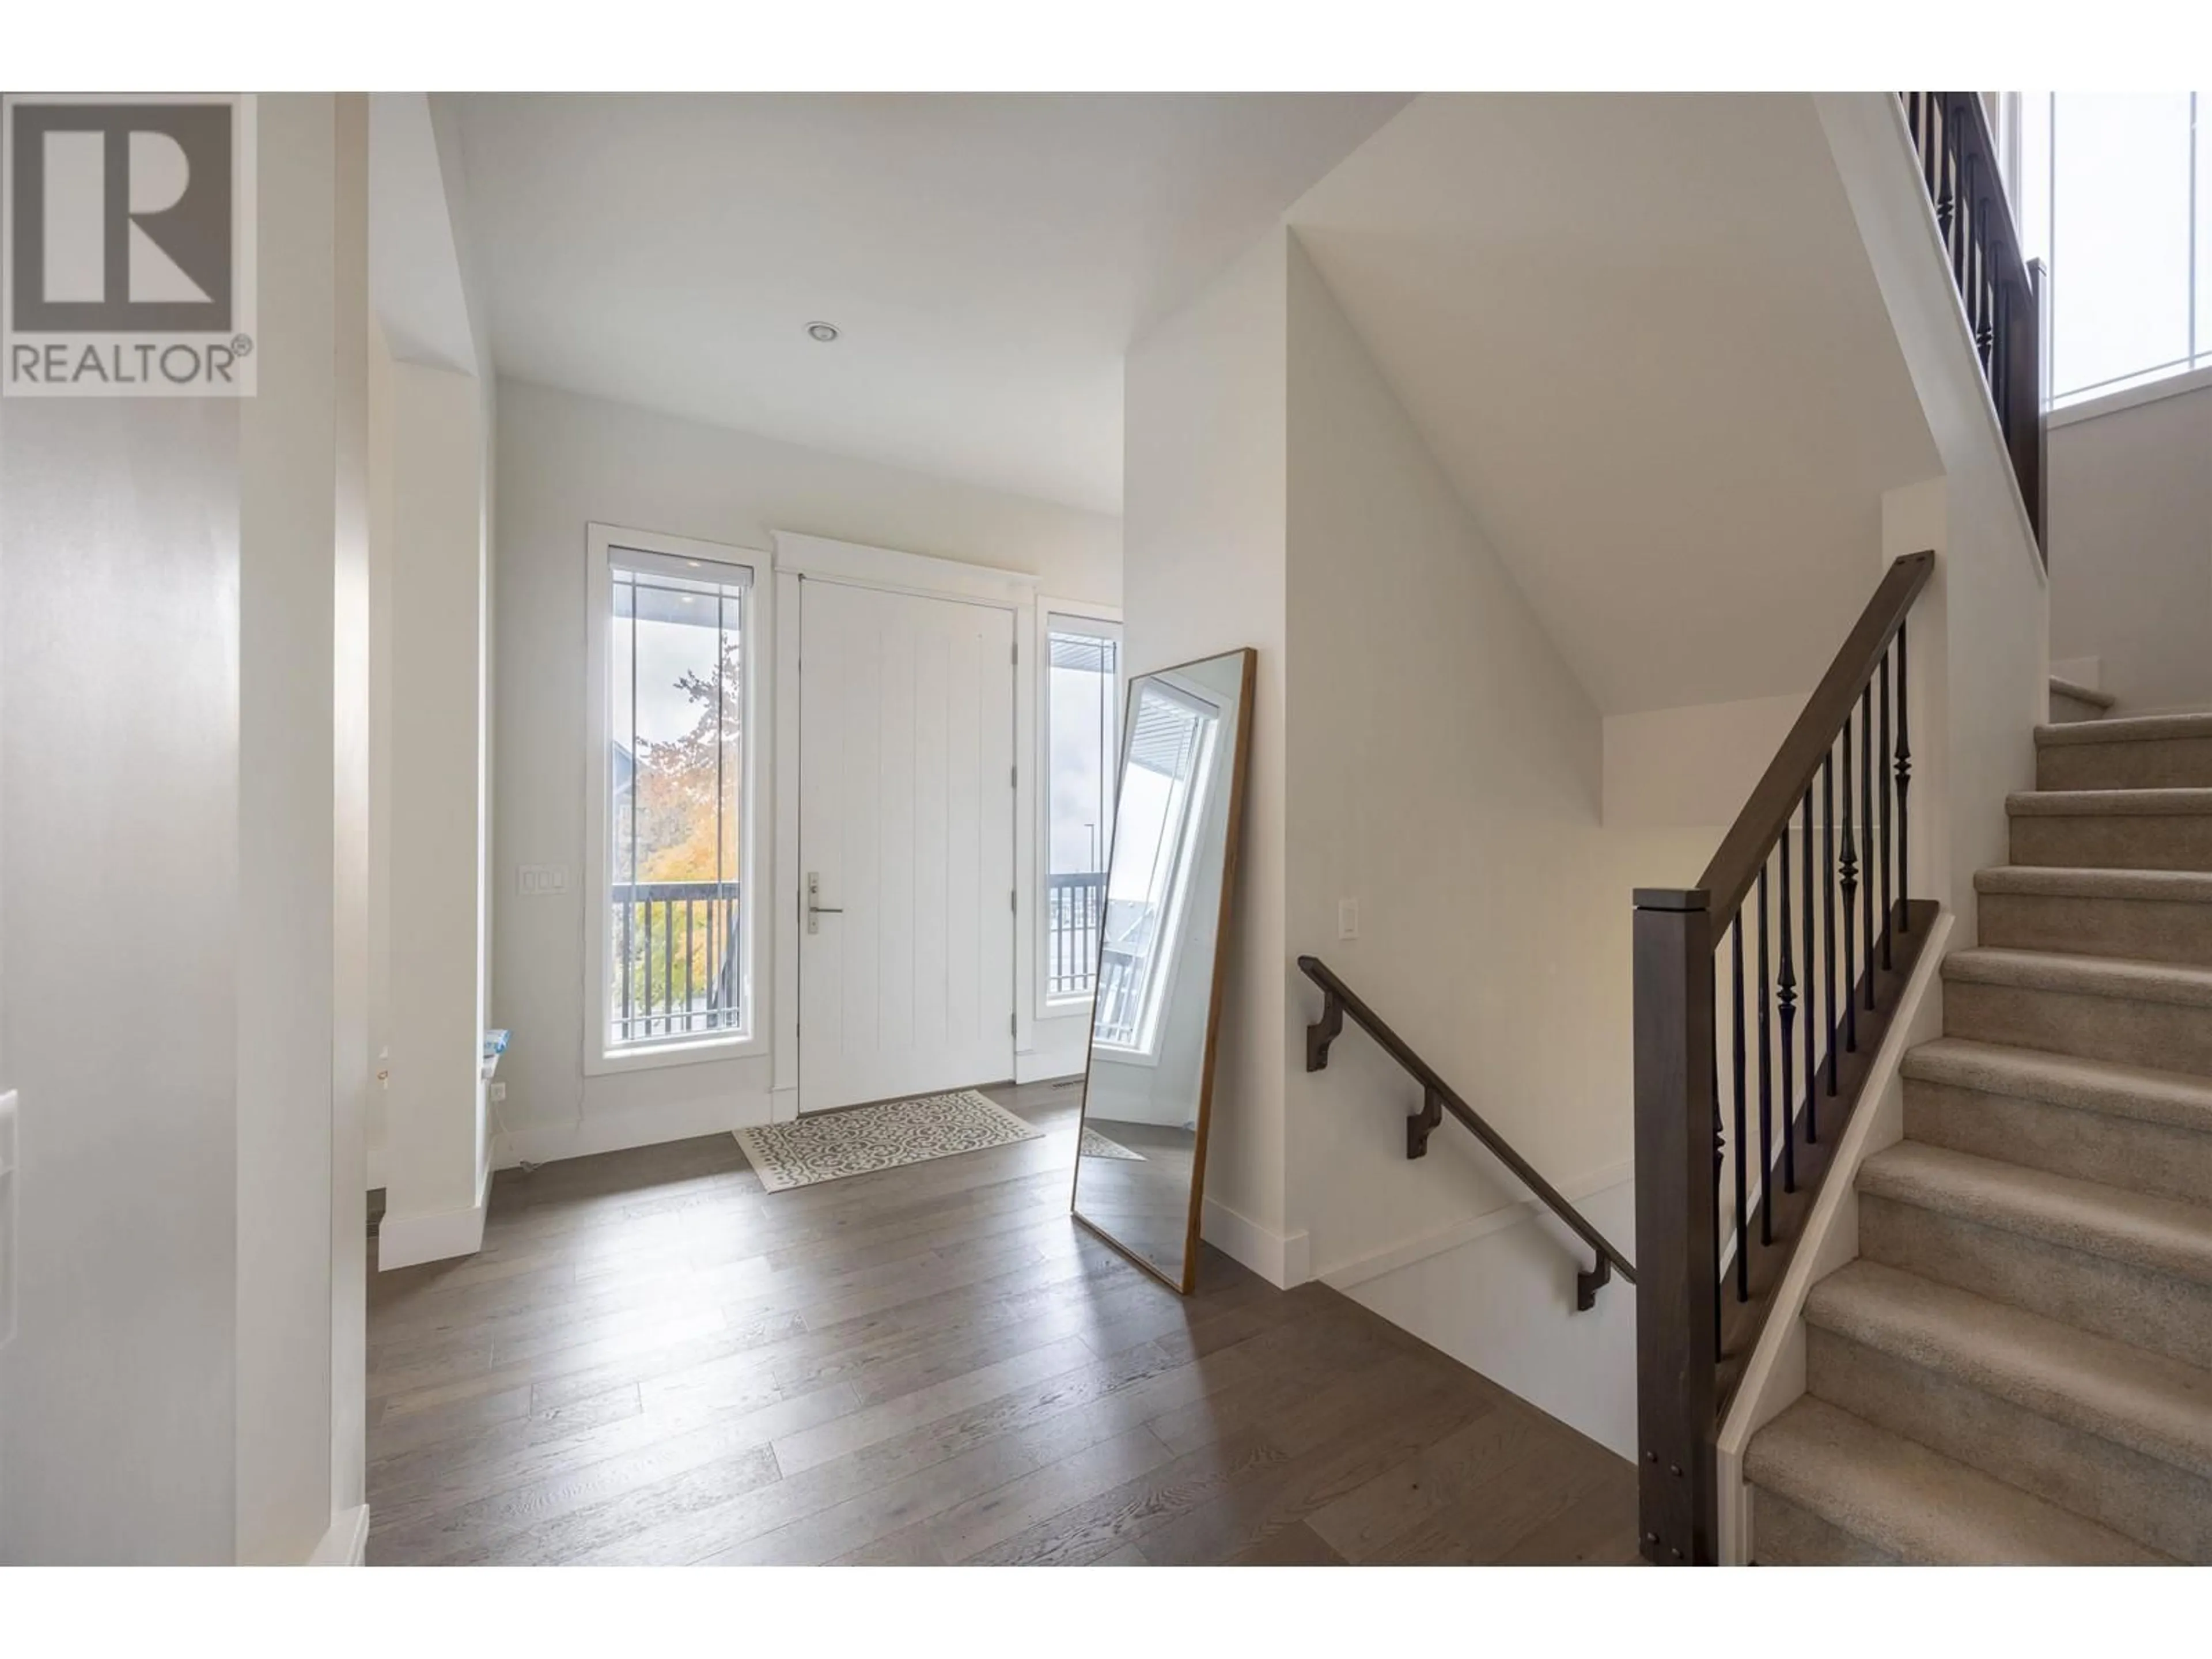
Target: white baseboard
<point>1058,1046</point>
<point>1282,1259</point>
<point>620,1131</point>
<point>346,1544</point>
<point>2083,671</point>
<point>1374,1263</point>
<point>407,1241</point>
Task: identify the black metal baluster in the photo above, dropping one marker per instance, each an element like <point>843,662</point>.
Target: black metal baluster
<point>1904,784</point>
<point>629,961</point>
<point>688,1023</point>
<point>1812,988</point>
<point>1742,1143</point>
<point>1828,920</point>
<point>1785,997</point>
<point>1889,923</point>
<point>1847,874</point>
<point>646,908</point>
<point>1765,1070</point>
<point>1866,829</point>
<point>1720,1146</point>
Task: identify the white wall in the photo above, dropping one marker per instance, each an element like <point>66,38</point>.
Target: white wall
<point>120,763</point>
<point>1445,770</point>
<point>1673,768</point>
<point>2130,540</point>
<point>380,507</point>
<point>168,591</point>
<point>1980,636</point>
<point>435,1148</point>
<point>1203,525</point>
<point>565,462</point>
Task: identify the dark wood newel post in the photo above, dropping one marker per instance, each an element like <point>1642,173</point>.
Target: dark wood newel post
<point>1677,1175</point>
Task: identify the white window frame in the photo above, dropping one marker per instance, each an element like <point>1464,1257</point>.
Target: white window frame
<point>1160,989</point>
<point>600,1058</point>
<point>1045,1005</point>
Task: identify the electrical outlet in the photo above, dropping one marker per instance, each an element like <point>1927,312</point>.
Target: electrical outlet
<point>498,1094</point>
<point>536,880</point>
<point>1348,918</point>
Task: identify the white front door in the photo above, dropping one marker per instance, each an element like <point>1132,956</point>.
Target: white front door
<point>906,832</point>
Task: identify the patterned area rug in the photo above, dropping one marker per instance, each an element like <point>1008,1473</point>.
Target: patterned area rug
<point>871,1138</point>
<point>1095,1145</point>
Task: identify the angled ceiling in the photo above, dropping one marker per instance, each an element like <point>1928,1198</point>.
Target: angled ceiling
<point>1642,337</point>
<point>988,258</point>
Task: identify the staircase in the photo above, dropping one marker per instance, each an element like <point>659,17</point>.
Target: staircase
<point>2018,1368</point>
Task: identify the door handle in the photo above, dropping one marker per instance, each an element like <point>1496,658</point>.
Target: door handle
<point>814,892</point>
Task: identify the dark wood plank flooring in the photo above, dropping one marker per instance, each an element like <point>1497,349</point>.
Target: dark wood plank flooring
<point>653,1361</point>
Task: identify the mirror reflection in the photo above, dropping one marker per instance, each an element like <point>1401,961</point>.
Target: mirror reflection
<point>1140,1162</point>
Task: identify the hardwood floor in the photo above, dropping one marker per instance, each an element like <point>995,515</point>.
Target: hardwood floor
<point>653,1361</point>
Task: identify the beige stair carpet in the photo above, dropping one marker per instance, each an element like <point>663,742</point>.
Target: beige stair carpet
<point>2019,1367</point>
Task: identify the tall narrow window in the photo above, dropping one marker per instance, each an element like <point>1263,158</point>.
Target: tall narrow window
<point>2115,191</point>
<point>1082,713</point>
<point>675,960</point>
<point>1171,746</point>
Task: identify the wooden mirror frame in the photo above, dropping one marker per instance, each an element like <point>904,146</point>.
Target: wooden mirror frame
<point>1230,860</point>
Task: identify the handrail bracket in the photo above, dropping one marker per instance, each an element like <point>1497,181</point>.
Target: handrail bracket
<point>1588,1285</point>
<point>1419,1124</point>
<point>1326,1030</point>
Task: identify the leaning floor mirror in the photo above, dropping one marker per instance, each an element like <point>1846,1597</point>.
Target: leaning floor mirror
<point>1140,1160</point>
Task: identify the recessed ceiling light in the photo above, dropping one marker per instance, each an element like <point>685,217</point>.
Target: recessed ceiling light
<point>824,333</point>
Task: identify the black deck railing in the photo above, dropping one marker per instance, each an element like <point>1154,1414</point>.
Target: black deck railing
<point>1807,909</point>
<point>2006,296</point>
<point>1439,1097</point>
<point>1075,912</point>
<point>676,951</point>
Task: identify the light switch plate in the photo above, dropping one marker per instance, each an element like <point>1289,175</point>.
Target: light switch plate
<point>1348,918</point>
<point>537,880</point>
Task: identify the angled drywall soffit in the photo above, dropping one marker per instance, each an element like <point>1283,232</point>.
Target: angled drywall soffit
<point>415,285</point>
<point>1643,337</point>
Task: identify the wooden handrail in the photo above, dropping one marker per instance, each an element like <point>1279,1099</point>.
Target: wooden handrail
<point>1816,866</point>
<point>1439,1096</point>
<point>1728,879</point>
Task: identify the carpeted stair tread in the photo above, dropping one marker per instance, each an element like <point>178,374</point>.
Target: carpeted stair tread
<point>2147,1402</point>
<point>2182,1099</point>
<point>2109,803</point>
<point>1916,1504</point>
<point>2129,728</point>
<point>2159,1235</point>
<point>2081,975</point>
<point>2060,881</point>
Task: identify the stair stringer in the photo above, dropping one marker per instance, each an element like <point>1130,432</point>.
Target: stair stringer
<point>1775,1377</point>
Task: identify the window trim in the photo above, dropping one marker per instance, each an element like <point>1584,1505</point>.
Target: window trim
<point>601,1059</point>
<point>1044,1005</point>
<point>1146,1050</point>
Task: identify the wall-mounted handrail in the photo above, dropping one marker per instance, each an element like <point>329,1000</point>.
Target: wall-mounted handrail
<point>1439,1097</point>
